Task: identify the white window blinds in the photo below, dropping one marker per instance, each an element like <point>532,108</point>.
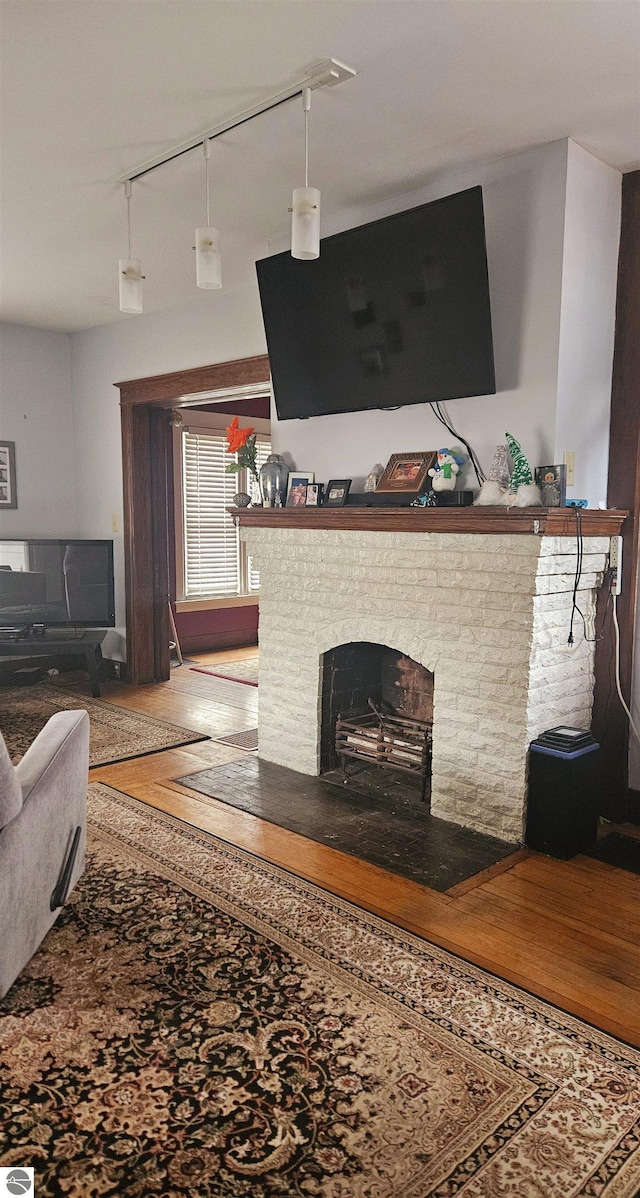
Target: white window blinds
<point>211,545</point>
<point>215,563</point>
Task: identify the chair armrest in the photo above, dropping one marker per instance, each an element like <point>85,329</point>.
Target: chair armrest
<point>65,740</point>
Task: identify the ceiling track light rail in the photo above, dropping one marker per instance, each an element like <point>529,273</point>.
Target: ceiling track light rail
<point>305,208</point>
<point>325,74</point>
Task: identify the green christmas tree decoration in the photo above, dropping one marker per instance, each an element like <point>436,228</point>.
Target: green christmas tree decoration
<point>522,475</point>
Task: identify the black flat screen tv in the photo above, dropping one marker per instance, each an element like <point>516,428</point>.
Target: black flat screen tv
<point>395,312</point>
<point>65,583</point>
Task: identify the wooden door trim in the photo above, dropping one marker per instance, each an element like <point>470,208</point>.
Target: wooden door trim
<point>609,719</point>
<point>166,390</point>
<point>147,476</point>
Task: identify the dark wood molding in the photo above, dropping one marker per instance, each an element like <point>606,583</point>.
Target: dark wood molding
<point>203,642</point>
<point>138,555</point>
<point>610,723</point>
<point>554,522</point>
<point>167,390</point>
<point>147,468</point>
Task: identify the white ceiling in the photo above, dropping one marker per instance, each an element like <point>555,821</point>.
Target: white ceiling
<point>93,88</point>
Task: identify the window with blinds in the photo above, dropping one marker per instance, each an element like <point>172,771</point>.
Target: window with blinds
<point>215,562</point>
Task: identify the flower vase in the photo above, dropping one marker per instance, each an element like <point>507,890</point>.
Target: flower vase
<point>241,499</point>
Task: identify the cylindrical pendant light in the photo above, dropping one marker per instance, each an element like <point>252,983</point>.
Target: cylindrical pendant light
<point>129,270</point>
<point>207,247</point>
<point>305,205</point>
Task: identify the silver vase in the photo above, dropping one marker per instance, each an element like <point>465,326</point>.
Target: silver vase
<point>273,480</point>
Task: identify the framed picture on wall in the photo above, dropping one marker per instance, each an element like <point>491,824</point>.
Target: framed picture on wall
<point>8,493</point>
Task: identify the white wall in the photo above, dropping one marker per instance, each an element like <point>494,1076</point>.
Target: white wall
<point>36,413</point>
<point>587,320</point>
<point>524,201</point>
<point>216,327</point>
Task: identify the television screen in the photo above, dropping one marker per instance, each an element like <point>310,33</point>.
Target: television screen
<point>395,312</point>
<point>60,583</point>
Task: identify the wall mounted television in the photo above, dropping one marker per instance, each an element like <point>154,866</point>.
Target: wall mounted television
<point>65,583</point>
<point>394,312</point>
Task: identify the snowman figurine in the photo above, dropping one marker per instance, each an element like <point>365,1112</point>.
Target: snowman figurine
<point>446,469</point>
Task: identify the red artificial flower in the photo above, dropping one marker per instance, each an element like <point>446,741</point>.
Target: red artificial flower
<point>237,437</point>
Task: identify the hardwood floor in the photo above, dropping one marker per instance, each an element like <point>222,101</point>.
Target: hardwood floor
<point>567,931</point>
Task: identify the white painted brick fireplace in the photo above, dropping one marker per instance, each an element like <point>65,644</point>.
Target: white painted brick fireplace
<point>488,613</point>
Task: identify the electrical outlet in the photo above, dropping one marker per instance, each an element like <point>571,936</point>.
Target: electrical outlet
<point>115,522</point>
<point>615,565</point>
<point>569,459</point>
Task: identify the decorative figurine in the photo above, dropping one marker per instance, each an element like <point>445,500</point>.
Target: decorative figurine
<point>446,469</point>
<point>523,492</point>
<point>374,476</point>
<point>495,488</point>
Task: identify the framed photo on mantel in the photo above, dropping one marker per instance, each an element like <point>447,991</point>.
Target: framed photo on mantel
<point>407,473</point>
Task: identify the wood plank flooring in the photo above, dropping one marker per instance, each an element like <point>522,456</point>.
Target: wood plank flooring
<point>566,931</point>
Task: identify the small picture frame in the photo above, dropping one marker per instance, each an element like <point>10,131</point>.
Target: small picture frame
<point>297,487</point>
<point>407,473</point>
<point>314,494</point>
<point>337,491</point>
<point>552,481</point>
<point>8,492</point>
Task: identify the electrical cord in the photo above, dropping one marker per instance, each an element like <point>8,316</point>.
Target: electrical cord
<point>577,577</point>
<point>440,415</point>
<point>598,636</point>
<point>618,686</point>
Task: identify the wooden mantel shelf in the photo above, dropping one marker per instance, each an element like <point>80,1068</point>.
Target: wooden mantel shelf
<point>541,521</point>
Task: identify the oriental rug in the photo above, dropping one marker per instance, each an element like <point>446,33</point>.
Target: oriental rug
<point>245,671</point>
<point>201,1022</point>
<point>115,732</point>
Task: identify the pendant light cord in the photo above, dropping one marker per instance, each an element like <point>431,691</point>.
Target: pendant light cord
<point>306,104</point>
<point>207,156</point>
<point>127,192</point>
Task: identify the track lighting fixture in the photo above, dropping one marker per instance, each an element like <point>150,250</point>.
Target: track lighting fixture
<point>207,247</point>
<point>305,204</point>
<point>130,272</point>
<point>305,207</point>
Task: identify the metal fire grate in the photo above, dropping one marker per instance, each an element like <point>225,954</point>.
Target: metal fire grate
<point>386,740</point>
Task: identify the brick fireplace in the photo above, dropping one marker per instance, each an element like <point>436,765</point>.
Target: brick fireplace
<point>479,601</point>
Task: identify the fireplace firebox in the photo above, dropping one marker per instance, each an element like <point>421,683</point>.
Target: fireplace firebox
<point>377,710</point>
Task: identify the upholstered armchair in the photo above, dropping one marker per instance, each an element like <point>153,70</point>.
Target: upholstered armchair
<point>43,806</point>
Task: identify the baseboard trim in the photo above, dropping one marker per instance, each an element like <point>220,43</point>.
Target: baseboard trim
<point>210,641</point>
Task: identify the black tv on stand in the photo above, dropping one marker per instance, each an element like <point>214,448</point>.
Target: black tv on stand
<point>56,583</point>
<point>56,600</point>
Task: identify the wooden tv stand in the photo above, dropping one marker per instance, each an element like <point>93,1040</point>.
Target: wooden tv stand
<point>58,642</point>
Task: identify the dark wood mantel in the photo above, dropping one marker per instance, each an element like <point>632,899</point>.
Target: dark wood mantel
<point>542,521</point>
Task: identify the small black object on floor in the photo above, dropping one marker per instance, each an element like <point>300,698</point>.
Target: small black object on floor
<point>621,851</point>
<point>388,828</point>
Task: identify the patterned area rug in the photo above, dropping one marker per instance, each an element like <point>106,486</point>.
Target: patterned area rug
<point>116,733</point>
<point>200,1022</point>
<point>234,671</point>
